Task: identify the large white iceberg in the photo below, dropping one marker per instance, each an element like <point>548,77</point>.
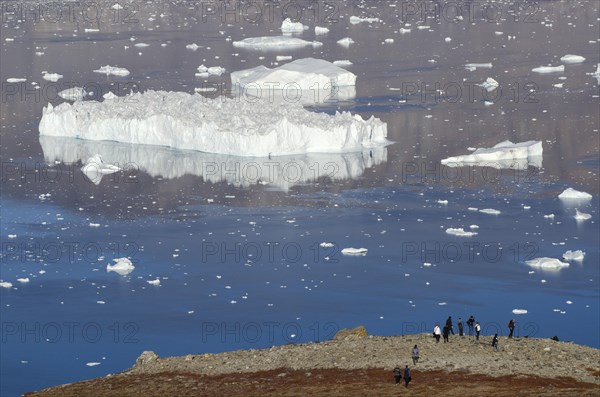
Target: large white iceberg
<point>274,43</point>
<point>503,155</point>
<point>281,173</point>
<point>572,194</point>
<point>220,125</point>
<point>309,79</point>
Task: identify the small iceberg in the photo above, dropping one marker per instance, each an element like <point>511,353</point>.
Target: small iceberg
<point>345,42</point>
<point>489,84</point>
<point>460,232</point>
<point>95,168</point>
<point>274,43</point>
<point>581,216</point>
<point>319,30</point>
<point>5,284</point>
<point>73,94</point>
<point>356,20</point>
<point>577,255</point>
<point>519,311</point>
<point>204,71</point>
<point>571,194</point>
<point>547,263</point>
<point>155,282</point>
<point>54,77</point>
<point>503,155</point>
<point>549,69</point>
<point>474,66</point>
<point>569,58</point>
<point>287,26</point>
<point>123,266</point>
<point>116,71</point>
<point>354,251</point>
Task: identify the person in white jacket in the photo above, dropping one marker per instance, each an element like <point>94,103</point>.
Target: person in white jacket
<point>437,332</point>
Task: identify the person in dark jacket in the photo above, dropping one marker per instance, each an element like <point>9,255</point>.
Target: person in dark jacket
<point>415,354</point>
<point>407,377</point>
<point>397,375</point>
<point>511,327</point>
<point>450,325</point>
<point>471,325</point>
<point>446,333</point>
<point>461,327</point>
<point>495,342</point>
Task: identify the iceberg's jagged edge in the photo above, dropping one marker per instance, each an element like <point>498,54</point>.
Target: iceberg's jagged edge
<point>222,125</point>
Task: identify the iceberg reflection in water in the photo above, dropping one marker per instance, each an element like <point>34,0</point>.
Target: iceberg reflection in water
<point>282,172</point>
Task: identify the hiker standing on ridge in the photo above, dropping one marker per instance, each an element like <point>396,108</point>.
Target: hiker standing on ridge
<point>449,324</point>
<point>477,330</point>
<point>437,333</point>
<point>495,342</point>
<point>471,325</point>
<point>407,377</point>
<point>415,354</point>
<point>461,327</point>
<point>511,327</point>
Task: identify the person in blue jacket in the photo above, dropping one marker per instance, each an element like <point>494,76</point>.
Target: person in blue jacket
<point>407,377</point>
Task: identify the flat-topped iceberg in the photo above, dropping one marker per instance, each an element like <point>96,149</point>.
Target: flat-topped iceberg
<point>310,79</point>
<point>221,125</point>
<point>275,43</point>
<point>549,69</point>
<point>570,58</point>
<point>547,263</point>
<point>503,155</point>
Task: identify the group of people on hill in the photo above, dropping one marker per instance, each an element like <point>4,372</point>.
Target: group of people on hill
<point>474,328</point>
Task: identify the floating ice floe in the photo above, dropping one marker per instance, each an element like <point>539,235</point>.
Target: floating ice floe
<point>23,280</point>
<point>547,263</point>
<point>274,43</point>
<point>123,266</point>
<point>519,311</point>
<point>577,255</point>
<point>356,20</point>
<point>549,69</point>
<point>490,211</point>
<point>73,94</point>
<point>204,71</point>
<point>319,30</point>
<point>16,80</point>
<point>92,364</point>
<point>460,232</point>
<point>54,77</point>
<point>117,6</point>
<point>287,26</point>
<point>503,155</point>
<point>574,195</point>
<point>141,45</point>
<point>95,168</point>
<point>192,46</point>
<point>581,216</point>
<point>154,282</point>
<point>227,126</point>
<point>489,84</point>
<point>326,245</point>
<point>569,58</point>
<point>342,62</point>
<point>116,71</point>
<point>345,42</point>
<point>91,30</point>
<point>307,80</point>
<point>168,163</point>
<point>355,251</point>
<point>280,58</point>
<point>5,284</point>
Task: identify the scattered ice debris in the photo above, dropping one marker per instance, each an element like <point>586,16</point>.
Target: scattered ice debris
<point>205,89</point>
<point>490,211</point>
<point>54,77</point>
<point>326,245</point>
<point>92,364</point>
<point>577,255</point>
<point>287,26</point>
<point>595,74</point>
<point>558,85</point>
<point>581,216</point>
<point>5,284</point>
<point>73,94</point>
<point>503,155</point>
<point>222,125</point>
<point>547,263</point>
<point>319,30</point>
<point>549,69</point>
<point>91,30</point>
<point>356,20</point>
<point>308,76</point>
<point>95,168</point>
<point>404,30</point>
<point>204,71</point>
<point>192,46</point>
<point>15,80</point>
<point>355,251</point>
<point>123,266</point>
<point>24,280</point>
<point>569,58</point>
<point>519,311</point>
<point>154,282</point>
<point>345,42</point>
<point>460,232</point>
<point>572,194</point>
<point>116,71</point>
<point>489,84</point>
<point>274,42</point>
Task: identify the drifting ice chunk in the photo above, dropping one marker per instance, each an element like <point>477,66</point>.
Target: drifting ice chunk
<point>569,58</point>
<point>213,70</point>
<point>95,168</point>
<point>54,77</point>
<point>490,211</point>
<point>226,126</point>
<point>287,26</point>
<point>108,70</point>
<point>581,216</point>
<point>572,194</point>
<point>342,62</point>
<point>460,232</point>
<point>123,266</point>
<point>503,155</point>
<point>192,46</point>
<point>92,364</point>
<point>274,43</point>
<point>355,20</point>
<point>489,84</point>
<point>345,42</point>
<point>321,30</point>
<point>519,311</point>
<point>547,263</point>
<point>154,282</point>
<point>15,80</point>
<point>326,245</point>
<point>73,94</point>
<point>306,77</point>
<point>574,255</point>
<point>354,251</point>
<point>24,280</point>
<point>5,284</point>
<point>549,69</point>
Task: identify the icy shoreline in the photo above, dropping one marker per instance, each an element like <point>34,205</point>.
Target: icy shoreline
<point>222,125</point>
